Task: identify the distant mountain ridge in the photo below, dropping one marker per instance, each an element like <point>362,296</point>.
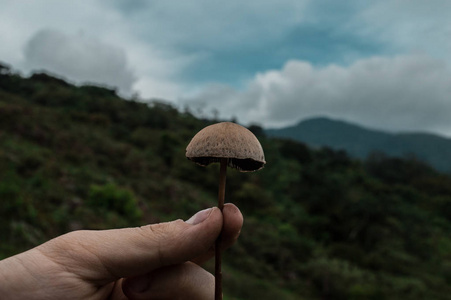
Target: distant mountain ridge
<point>359,141</point>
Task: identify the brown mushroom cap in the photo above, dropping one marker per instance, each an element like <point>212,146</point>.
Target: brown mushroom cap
<point>227,140</point>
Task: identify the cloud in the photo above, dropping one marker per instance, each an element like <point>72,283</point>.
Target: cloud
<point>93,25</point>
<point>407,25</point>
<point>231,40</point>
<point>176,47</point>
<point>409,92</point>
<point>79,58</point>
<point>235,40</point>
<point>203,24</point>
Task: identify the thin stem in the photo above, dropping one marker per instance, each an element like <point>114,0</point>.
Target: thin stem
<point>222,183</point>
<point>221,197</point>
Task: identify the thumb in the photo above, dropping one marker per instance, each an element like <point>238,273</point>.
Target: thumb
<point>107,255</point>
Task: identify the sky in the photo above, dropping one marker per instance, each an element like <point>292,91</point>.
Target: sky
<point>382,64</point>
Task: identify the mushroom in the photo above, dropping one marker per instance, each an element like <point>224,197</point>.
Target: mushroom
<point>231,145</point>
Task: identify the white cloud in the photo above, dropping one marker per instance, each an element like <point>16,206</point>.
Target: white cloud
<point>399,93</point>
<point>20,20</point>
<point>88,25</point>
<point>79,58</point>
<point>152,88</point>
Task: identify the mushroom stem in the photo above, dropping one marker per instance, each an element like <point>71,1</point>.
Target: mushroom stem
<point>221,196</point>
<point>222,183</point>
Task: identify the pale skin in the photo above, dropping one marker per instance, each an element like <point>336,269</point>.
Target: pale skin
<point>159,261</point>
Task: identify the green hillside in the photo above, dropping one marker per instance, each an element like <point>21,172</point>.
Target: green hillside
<point>360,142</point>
<point>318,224</point>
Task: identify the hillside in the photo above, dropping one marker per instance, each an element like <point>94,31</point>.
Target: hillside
<point>360,142</point>
<point>318,224</point>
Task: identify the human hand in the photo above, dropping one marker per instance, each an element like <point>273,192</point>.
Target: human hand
<point>159,261</point>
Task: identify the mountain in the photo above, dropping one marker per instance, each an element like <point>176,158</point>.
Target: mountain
<point>360,142</point>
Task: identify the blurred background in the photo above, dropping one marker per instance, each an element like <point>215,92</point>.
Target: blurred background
<point>351,102</point>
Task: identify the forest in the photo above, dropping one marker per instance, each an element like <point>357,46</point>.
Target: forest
<point>318,223</point>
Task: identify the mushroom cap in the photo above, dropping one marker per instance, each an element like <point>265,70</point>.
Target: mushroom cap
<point>227,140</point>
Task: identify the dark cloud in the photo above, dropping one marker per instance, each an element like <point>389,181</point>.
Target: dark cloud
<point>319,45</point>
<point>79,59</point>
<point>232,40</point>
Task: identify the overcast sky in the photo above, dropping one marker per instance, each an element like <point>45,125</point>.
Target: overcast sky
<point>383,64</point>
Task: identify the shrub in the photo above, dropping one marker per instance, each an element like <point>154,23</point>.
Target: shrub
<point>110,198</point>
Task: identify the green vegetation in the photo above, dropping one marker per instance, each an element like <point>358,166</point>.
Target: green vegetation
<point>318,224</point>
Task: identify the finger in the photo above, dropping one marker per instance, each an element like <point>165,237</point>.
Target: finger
<point>233,221</point>
<point>105,256</point>
<point>117,293</point>
<point>182,281</point>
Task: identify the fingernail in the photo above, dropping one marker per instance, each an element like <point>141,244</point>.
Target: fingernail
<point>138,285</point>
<point>199,217</point>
